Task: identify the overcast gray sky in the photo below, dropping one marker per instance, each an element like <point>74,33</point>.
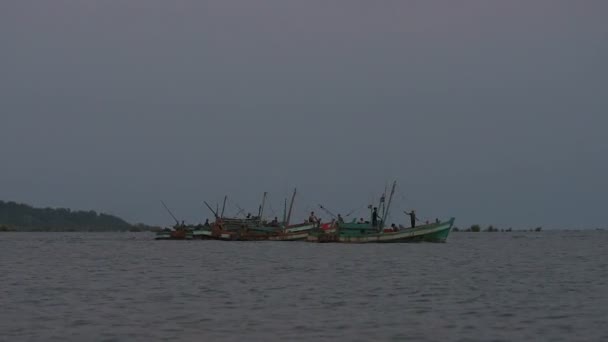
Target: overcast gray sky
<point>494,112</point>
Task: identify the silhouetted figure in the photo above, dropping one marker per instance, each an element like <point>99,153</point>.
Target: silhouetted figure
<point>312,218</point>
<point>207,223</point>
<point>375,217</point>
<point>340,219</point>
<point>412,216</point>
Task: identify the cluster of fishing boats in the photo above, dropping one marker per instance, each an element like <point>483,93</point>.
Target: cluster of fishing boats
<point>255,228</point>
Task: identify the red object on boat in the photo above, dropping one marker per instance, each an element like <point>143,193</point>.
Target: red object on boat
<point>326,226</point>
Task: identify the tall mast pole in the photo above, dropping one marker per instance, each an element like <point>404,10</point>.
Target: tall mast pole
<point>293,197</point>
<point>382,205</point>
<point>170,213</point>
<point>213,211</point>
<point>224,206</point>
<point>285,212</point>
<point>390,200</point>
<point>262,206</point>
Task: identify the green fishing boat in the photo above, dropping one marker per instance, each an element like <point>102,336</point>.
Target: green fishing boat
<point>375,231</point>
<point>364,233</point>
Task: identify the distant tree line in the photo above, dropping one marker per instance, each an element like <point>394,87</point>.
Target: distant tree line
<point>22,217</point>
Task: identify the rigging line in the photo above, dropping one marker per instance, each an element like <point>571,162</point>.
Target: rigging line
<point>271,209</point>
<point>240,210</point>
<point>304,203</point>
<point>327,211</point>
<point>355,211</point>
<point>304,199</point>
<point>401,193</point>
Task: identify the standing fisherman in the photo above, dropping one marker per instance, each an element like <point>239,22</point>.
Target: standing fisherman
<point>312,218</point>
<point>375,217</point>
<point>412,216</point>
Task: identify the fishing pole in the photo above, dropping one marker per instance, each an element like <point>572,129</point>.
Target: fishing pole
<point>327,211</point>
<point>170,213</point>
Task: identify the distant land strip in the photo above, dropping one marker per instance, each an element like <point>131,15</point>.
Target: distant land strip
<point>22,217</point>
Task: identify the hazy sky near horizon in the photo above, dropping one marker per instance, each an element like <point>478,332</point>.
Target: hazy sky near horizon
<point>494,112</point>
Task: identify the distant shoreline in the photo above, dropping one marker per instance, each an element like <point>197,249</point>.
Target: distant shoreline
<point>12,230</point>
<point>20,217</point>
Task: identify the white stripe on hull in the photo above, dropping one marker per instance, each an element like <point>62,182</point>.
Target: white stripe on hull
<point>201,233</point>
<point>299,229</point>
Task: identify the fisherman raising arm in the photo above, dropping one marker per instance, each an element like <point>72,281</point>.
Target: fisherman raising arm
<point>413,217</point>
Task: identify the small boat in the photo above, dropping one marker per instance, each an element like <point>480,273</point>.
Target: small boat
<point>366,232</point>
<point>180,233</point>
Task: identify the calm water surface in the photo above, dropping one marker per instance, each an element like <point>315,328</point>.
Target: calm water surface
<point>549,286</point>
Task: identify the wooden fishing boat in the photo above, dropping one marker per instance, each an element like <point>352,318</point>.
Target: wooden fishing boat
<point>255,228</point>
<point>175,234</point>
<point>264,232</point>
<point>365,233</point>
<point>376,231</point>
<point>289,232</point>
<point>237,229</point>
<point>298,232</point>
<point>180,231</point>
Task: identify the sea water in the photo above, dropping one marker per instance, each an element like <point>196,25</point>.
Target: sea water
<point>547,286</point>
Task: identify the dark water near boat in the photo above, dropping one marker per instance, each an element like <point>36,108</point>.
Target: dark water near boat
<point>477,287</point>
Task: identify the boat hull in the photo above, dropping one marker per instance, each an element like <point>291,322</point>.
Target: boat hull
<point>202,235</point>
<point>175,235</point>
<point>298,232</point>
<point>437,232</point>
<point>291,233</point>
<point>295,236</point>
